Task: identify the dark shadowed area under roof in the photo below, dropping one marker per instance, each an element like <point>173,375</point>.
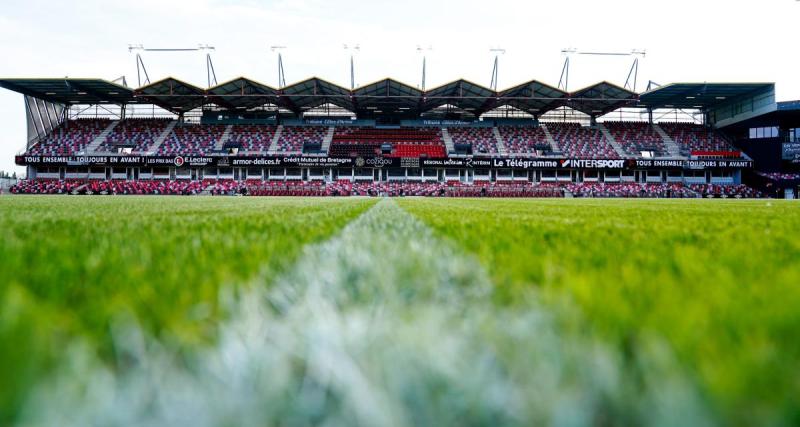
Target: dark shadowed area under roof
<point>242,93</point>
<point>462,94</point>
<point>312,93</point>
<point>387,95</point>
<point>173,95</point>
<point>533,97</point>
<point>601,98</point>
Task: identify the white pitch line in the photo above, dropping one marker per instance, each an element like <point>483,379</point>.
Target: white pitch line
<point>383,324</point>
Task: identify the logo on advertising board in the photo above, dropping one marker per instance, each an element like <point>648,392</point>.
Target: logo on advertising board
<point>378,162</point>
<point>360,162</point>
<point>592,164</point>
<point>179,161</point>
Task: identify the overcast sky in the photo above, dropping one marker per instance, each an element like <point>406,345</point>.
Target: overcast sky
<point>686,40</point>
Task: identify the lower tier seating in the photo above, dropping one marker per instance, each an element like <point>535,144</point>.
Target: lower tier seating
<point>734,191</point>
<point>348,188</point>
<point>599,189</point>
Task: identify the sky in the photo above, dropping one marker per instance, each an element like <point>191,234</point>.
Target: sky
<point>685,41</point>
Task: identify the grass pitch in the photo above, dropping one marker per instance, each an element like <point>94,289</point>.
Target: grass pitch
<point>668,312</point>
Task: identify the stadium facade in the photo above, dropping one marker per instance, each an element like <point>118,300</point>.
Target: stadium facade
<point>315,137</point>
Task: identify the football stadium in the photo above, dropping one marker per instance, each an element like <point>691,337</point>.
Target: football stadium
<point>387,138</point>
<point>395,253</point>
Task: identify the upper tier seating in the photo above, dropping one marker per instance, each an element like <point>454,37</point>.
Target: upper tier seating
<point>482,139</point>
<point>293,137</point>
<point>189,139</point>
<point>70,138</point>
<point>252,138</point>
<point>635,137</point>
<point>697,138</point>
<point>522,140</point>
<point>142,133</point>
<point>361,141</point>
<point>581,142</point>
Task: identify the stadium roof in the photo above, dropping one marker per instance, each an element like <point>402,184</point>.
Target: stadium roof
<point>387,96</point>
<point>242,93</point>
<point>601,98</point>
<point>699,95</point>
<point>173,95</point>
<point>71,91</point>
<point>460,93</point>
<point>532,97</point>
<point>314,92</point>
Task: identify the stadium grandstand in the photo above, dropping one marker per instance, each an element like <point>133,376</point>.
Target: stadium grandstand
<point>92,136</point>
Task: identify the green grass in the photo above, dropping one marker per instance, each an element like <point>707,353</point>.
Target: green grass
<point>713,284</point>
<point>71,267</point>
<point>717,281</point>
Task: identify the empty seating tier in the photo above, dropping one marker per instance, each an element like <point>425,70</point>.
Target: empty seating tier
<point>70,138</point>
<point>636,137</point>
<point>361,141</point>
<point>482,139</point>
<point>293,138</point>
<point>252,138</point>
<point>523,140</point>
<point>698,139</point>
<point>196,140</point>
<point>140,134</point>
<point>580,142</point>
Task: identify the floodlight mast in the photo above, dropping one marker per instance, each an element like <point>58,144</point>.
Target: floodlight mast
<point>563,81</point>
<point>281,75</point>
<point>422,51</point>
<point>211,75</point>
<point>140,68</point>
<point>633,73</point>
<point>353,50</point>
<point>497,52</point>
